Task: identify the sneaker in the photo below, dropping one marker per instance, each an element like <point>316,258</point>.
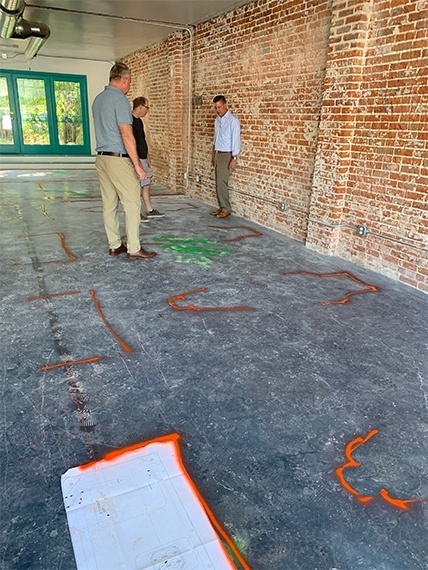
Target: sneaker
<point>144,219</point>
<point>155,214</point>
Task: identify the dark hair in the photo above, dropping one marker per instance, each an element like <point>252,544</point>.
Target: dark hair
<point>218,98</point>
<point>118,70</point>
<point>139,101</point>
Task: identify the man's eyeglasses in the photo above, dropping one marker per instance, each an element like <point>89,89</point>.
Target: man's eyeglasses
<point>146,107</point>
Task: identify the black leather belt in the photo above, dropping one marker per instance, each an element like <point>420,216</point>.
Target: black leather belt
<point>224,151</point>
<point>121,154</point>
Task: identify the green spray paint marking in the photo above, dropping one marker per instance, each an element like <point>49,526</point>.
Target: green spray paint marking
<point>242,545</point>
<point>191,250</point>
<point>80,194</point>
<point>64,192</point>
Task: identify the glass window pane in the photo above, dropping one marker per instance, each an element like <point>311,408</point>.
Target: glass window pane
<point>69,112</point>
<point>34,114</point>
<point>6,135</point>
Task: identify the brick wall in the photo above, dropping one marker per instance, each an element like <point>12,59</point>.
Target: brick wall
<point>371,166</point>
<point>270,66</point>
<point>160,73</point>
<point>332,99</point>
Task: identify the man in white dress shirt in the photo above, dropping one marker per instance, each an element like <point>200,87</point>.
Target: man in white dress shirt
<point>226,148</point>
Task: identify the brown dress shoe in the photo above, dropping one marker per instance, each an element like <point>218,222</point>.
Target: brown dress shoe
<point>142,254</point>
<point>118,250</point>
<point>216,212</point>
<point>223,214</point>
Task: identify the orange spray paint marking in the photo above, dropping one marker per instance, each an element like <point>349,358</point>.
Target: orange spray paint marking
<point>112,455</point>
<point>254,233</point>
<point>52,295</point>
<point>182,297</point>
<point>122,343</point>
<point>349,450</point>
<point>63,244</point>
<point>347,298</point>
<point>186,204</point>
<point>400,503</point>
<point>70,363</point>
<point>210,514</point>
<point>92,210</point>
<point>175,438</point>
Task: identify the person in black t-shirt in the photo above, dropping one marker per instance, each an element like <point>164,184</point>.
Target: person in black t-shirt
<point>140,108</point>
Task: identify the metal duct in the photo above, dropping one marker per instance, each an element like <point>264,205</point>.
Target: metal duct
<point>13,25</point>
<point>10,12</point>
<point>38,33</point>
<point>34,45</point>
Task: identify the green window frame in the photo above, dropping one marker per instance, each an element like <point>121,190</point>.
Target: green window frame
<point>44,114</point>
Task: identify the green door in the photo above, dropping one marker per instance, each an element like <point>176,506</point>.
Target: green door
<point>69,113</point>
<point>33,116</point>
<point>45,113</point>
<point>8,125</point>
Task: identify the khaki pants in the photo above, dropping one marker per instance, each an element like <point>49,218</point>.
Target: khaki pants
<point>119,183</point>
<point>222,173</point>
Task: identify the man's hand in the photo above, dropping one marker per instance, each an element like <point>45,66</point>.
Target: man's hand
<point>142,174</point>
<point>131,149</point>
<point>232,164</point>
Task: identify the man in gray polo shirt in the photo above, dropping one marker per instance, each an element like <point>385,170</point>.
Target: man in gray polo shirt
<point>117,163</point>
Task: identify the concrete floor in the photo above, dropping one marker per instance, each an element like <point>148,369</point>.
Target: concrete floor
<point>266,400</point>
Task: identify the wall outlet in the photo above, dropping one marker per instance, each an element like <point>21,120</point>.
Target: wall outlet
<point>283,206</point>
<point>186,176</point>
<point>198,178</point>
<point>362,231</point>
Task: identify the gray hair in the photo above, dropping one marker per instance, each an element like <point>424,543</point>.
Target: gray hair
<point>118,71</point>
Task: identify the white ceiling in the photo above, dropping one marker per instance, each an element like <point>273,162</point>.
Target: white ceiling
<point>108,30</point>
